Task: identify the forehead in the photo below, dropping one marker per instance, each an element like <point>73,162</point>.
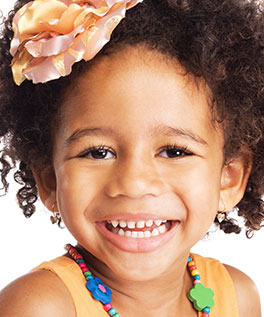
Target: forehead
<point>138,88</point>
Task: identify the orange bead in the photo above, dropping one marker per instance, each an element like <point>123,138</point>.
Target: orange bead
<point>191,263</point>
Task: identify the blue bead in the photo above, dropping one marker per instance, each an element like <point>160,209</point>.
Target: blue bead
<point>190,259</point>
<point>112,311</point>
<point>197,277</point>
<point>206,310</point>
<point>80,261</point>
<point>89,277</point>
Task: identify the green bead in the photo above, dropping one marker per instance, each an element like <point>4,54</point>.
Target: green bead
<point>116,315</point>
<point>201,297</point>
<point>87,273</point>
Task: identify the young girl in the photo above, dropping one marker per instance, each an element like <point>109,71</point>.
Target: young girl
<point>138,143</point>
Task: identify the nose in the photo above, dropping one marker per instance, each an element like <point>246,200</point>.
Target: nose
<point>135,179</point>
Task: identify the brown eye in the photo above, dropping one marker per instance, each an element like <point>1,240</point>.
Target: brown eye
<point>98,153</point>
<point>174,152</point>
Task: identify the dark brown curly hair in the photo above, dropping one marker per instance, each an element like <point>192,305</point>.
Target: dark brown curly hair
<point>221,41</point>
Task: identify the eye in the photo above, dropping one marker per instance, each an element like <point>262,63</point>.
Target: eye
<point>173,151</point>
<point>98,153</point>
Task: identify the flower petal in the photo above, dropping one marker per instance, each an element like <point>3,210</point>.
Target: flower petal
<point>104,27</point>
<point>41,11</point>
<point>16,39</point>
<point>42,70</point>
<point>52,45</point>
<point>65,23</point>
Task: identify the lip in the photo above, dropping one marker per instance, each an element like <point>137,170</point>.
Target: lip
<point>134,217</point>
<point>133,245</point>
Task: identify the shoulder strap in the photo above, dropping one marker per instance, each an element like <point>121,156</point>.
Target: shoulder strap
<point>69,272</point>
<point>215,276</point>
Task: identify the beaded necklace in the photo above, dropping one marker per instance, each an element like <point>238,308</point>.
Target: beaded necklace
<point>200,296</point>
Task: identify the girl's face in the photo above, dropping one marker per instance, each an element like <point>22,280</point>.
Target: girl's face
<point>136,145</point>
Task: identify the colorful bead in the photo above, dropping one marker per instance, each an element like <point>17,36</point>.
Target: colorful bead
<point>84,269</point>
<point>206,310</point>
<point>205,315</point>
<point>112,312</point>
<point>195,272</point>
<point>197,277</point>
<point>108,306</point>
<point>196,282</point>
<point>116,315</point>
<point>201,297</point>
<point>99,291</point>
<point>193,267</point>
<point>191,263</point>
<point>87,273</point>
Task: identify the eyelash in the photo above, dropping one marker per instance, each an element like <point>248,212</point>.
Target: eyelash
<point>182,151</point>
<point>101,147</point>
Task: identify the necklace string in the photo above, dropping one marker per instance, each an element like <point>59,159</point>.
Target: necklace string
<point>200,296</point>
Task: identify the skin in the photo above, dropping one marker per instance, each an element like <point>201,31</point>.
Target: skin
<point>133,93</point>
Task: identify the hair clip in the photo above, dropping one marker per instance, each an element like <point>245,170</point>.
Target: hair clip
<point>51,35</point>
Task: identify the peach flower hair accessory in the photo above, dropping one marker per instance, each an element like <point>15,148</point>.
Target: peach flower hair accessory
<point>51,35</point>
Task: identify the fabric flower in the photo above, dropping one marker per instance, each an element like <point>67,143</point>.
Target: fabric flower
<point>99,291</point>
<point>51,35</point>
<point>201,297</point>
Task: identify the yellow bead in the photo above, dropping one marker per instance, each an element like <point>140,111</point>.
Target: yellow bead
<point>195,272</point>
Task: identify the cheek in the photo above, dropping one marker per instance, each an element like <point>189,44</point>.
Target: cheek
<point>76,189</point>
<point>198,186</point>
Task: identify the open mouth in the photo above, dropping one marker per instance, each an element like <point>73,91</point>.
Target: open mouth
<point>138,235</point>
<point>139,229</point>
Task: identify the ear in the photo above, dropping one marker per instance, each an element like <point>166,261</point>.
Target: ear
<point>234,180</point>
<point>46,183</point>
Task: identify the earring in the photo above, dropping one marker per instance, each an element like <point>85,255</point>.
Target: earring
<point>55,218</point>
<point>221,216</point>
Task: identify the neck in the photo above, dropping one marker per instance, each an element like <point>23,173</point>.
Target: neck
<point>163,296</point>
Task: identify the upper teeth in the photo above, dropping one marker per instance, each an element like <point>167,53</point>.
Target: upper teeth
<point>136,224</point>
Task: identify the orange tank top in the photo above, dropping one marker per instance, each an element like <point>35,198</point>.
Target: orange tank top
<point>213,275</point>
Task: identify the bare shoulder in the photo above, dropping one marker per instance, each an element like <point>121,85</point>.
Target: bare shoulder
<point>247,293</point>
<point>39,293</point>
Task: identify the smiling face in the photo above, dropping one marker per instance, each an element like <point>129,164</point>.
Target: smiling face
<point>138,163</point>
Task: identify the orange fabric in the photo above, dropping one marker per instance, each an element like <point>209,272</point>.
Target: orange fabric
<point>213,275</point>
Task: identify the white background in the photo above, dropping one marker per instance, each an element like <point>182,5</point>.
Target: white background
<point>27,242</point>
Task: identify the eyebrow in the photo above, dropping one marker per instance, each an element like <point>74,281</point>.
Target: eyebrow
<point>78,134</point>
<point>161,130</point>
<point>172,131</point>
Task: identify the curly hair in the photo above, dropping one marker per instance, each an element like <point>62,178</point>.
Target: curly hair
<point>220,41</point>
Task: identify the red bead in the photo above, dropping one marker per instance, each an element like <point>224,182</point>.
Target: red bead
<point>108,306</point>
<point>78,257</point>
<point>84,269</point>
<point>205,315</point>
<point>81,265</point>
<point>193,267</point>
